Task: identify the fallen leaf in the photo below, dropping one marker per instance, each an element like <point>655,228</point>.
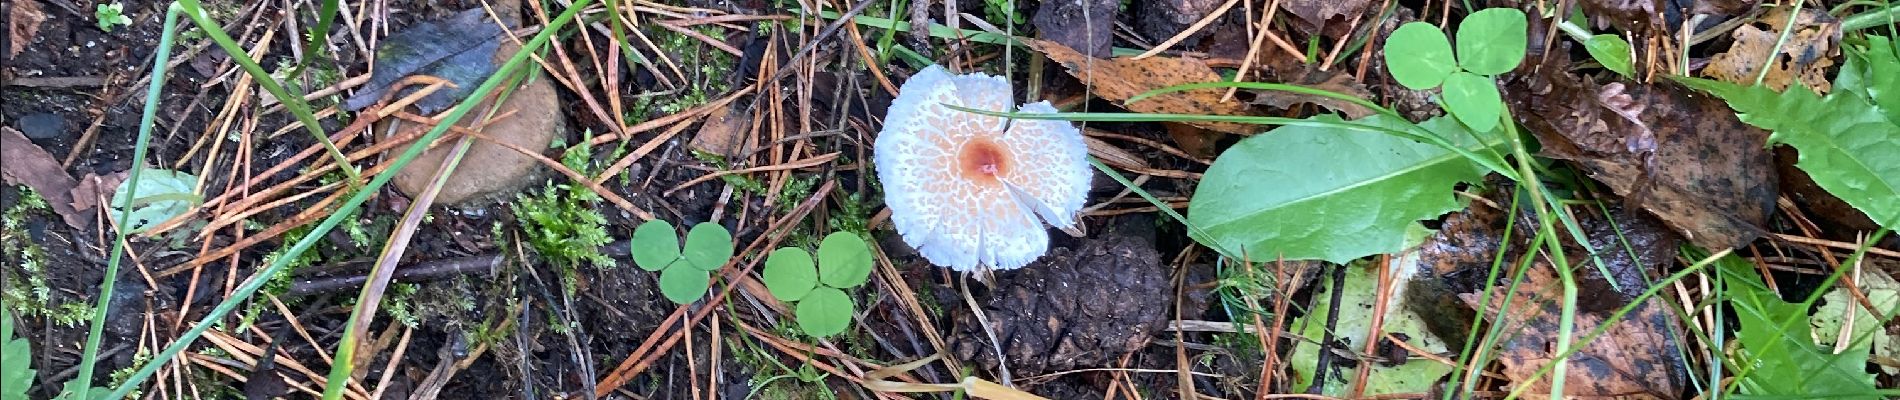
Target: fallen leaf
<point>1663,147</point>
<point>1359,297</point>
<point>1805,57</point>
<point>1317,14</point>
<point>1079,24</point>
<point>1314,78</point>
<point>1120,78</point>
<point>723,133</point>
<point>24,26</point>
<point>1840,307</point>
<point>28,164</point>
<point>457,49</point>
<point>94,187</point>
<point>1636,358</point>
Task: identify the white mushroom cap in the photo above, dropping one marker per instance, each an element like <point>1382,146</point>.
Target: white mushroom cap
<point>970,190</point>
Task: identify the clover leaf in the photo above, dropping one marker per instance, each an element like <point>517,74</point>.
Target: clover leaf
<point>1492,41</point>
<point>824,307</point>
<point>684,274</point>
<point>655,245</point>
<point>1419,56</point>
<point>843,260</point>
<point>790,274</point>
<point>708,246</point>
<point>825,312</point>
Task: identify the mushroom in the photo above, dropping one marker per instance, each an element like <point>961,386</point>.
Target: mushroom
<point>969,190</point>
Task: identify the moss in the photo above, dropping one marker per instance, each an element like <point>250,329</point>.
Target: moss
<point>26,292</point>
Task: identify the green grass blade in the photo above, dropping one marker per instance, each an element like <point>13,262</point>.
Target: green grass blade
<point>147,119</point>
<point>349,206</point>
<point>293,102</point>
<point>319,33</point>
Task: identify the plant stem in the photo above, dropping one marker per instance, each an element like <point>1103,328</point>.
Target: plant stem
<point>1871,19</point>
<point>90,355</point>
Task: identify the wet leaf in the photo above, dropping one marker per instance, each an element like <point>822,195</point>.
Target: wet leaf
<point>824,312</point>
<point>1120,78</point>
<point>844,260</point>
<point>1639,141</point>
<point>654,245</point>
<point>1847,145</point>
<point>28,164</point>
<point>1318,13</point>
<point>684,285</point>
<point>162,195</point>
<point>1805,57</point>
<point>458,49</point>
<point>1474,100</point>
<point>790,274</point>
<point>1775,341</point>
<point>708,246</point>
<point>1611,51</point>
<point>1492,41</point>
<point>1085,24</point>
<point>1358,299</point>
<point>1637,357</point>
<point>1288,194</point>
<point>1419,56</point>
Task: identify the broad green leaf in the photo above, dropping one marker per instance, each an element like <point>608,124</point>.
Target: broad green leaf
<point>162,195</point>
<point>684,285</point>
<point>1358,299</point>
<point>1419,56</point>
<point>1780,356</point>
<point>1843,142</point>
<point>1611,51</point>
<point>1874,75</point>
<point>824,312</point>
<point>790,274</point>
<point>16,374</point>
<point>1474,100</point>
<point>843,260</point>
<point>708,246</point>
<point>1307,192</point>
<point>1492,41</point>
<point>654,245</point>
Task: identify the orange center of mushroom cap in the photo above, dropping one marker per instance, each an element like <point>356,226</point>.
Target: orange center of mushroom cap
<point>982,160</point>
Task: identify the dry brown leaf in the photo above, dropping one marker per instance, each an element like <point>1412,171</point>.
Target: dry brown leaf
<point>26,18</point>
<point>1806,56</point>
<point>94,187</point>
<point>1312,77</point>
<point>1120,78</point>
<point>28,164</point>
<point>723,132</point>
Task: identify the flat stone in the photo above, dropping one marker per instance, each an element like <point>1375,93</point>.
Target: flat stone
<point>490,171</point>
<point>43,126</point>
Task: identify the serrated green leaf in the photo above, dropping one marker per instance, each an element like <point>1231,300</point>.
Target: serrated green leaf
<point>844,260</point>
<point>654,245</point>
<point>1777,346</point>
<point>1358,298</point>
<point>1611,51</point>
<point>825,312</point>
<point>1331,194</point>
<point>790,274</point>
<point>1873,74</point>
<point>1419,56</point>
<point>708,246</point>
<point>1492,41</point>
<point>1843,142</point>
<point>162,195</point>
<point>684,285</point>
<point>1474,100</point>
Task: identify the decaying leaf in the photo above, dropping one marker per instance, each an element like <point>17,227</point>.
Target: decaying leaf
<point>28,164</point>
<point>1637,357</point>
<point>1661,146</point>
<point>457,49</point>
<point>1080,24</point>
<point>1317,14</point>
<point>95,189</point>
<point>24,25</point>
<point>1359,297</point>
<point>1120,78</point>
<point>1805,57</point>
<point>723,133</point>
<point>1314,78</point>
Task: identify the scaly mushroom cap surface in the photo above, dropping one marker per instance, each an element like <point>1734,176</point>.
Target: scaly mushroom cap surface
<point>970,190</point>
